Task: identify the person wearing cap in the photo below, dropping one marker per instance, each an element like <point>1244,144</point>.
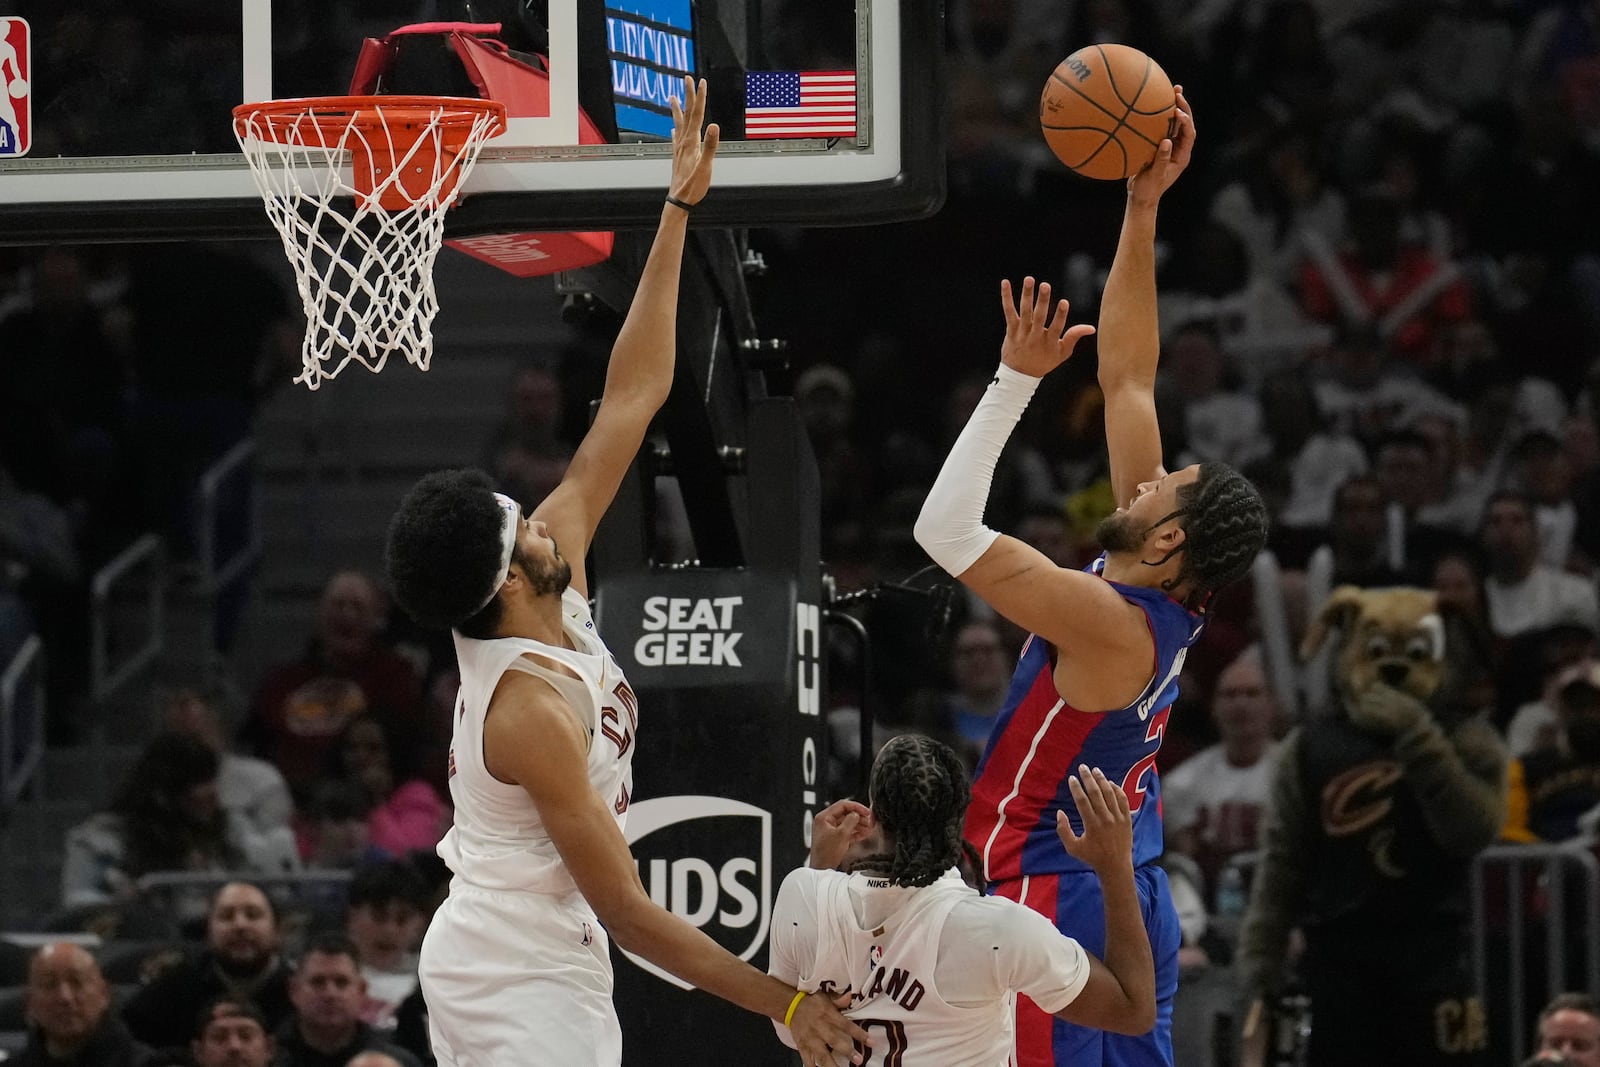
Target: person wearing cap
<point>517,958</point>
<point>1552,789</point>
<point>232,1033</point>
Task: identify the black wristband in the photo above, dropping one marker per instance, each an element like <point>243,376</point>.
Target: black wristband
<point>684,204</point>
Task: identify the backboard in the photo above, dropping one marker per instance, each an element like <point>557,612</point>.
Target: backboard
<point>829,110</point>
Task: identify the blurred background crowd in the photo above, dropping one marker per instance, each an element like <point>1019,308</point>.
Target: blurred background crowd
<point>1380,299</point>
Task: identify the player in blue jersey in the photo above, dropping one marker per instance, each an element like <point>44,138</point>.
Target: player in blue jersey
<point>1100,672</point>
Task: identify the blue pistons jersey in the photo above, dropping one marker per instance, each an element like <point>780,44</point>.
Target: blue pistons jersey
<point>1038,740</point>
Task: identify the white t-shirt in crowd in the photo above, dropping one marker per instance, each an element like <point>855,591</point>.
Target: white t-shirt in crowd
<point>1544,598</point>
<point>1221,802</point>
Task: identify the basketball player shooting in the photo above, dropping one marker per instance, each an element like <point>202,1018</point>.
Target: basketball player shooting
<point>928,961</point>
<point>516,965</point>
<point>1098,675</point>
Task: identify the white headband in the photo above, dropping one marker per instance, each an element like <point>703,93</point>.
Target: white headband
<point>510,520</point>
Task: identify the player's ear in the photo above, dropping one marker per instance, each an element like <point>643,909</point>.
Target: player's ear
<point>1169,537</point>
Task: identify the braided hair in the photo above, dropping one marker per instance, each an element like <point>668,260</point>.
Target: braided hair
<point>919,795</point>
<point>1225,523</point>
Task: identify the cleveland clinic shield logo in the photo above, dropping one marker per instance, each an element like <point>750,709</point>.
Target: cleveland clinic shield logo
<point>708,860</point>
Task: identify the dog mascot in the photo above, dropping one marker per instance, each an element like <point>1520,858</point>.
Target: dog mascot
<point>1377,811</point>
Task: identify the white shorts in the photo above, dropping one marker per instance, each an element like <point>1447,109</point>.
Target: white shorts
<point>518,980</point>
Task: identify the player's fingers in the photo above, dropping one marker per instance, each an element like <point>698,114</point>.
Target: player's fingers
<point>1064,825</point>
<point>1080,798</point>
<point>1106,791</point>
<point>708,145</point>
<point>1183,102</point>
<point>1008,302</point>
<point>1091,791</point>
<point>677,112</point>
<point>1076,334</point>
<point>1041,306</point>
<point>700,104</point>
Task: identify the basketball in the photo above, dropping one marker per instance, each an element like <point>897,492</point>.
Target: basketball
<point>1105,110</point>
<point>19,89</point>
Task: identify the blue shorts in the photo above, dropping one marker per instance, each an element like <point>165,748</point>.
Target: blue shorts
<point>1074,904</point>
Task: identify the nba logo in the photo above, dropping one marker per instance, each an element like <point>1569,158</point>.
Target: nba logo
<point>16,98</point>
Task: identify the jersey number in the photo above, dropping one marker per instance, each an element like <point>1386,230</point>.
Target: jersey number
<point>1133,784</point>
<point>894,1050</point>
<point>619,724</point>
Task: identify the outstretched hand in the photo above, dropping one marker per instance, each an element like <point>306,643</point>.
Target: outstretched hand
<point>822,1034</point>
<point>1037,342</point>
<point>1172,157</point>
<point>692,152</point>
<point>1107,839</point>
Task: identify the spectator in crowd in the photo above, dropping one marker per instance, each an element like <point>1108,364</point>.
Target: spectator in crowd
<point>404,812</point>
<point>1536,726</point>
<point>1540,468</point>
<point>1277,199</point>
<point>333,826</point>
<point>1357,551</point>
<point>1559,784</point>
<point>1321,460</point>
<point>1458,580</point>
<point>232,1033</point>
<point>252,792</point>
<point>241,960</point>
<point>527,453</point>
<point>303,707</point>
<point>164,817</point>
<point>1569,1026</point>
<point>1403,293</point>
<point>1405,470</point>
<point>1221,421</point>
<point>981,670</point>
<point>1525,593</point>
<point>826,399</point>
<point>69,1012</point>
<point>1456,496</point>
<point>326,1028</point>
<point>385,921</point>
<point>1213,802</point>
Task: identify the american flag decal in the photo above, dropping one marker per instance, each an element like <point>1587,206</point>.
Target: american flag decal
<point>810,103</point>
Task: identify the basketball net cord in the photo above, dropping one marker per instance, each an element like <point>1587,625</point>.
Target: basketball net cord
<point>365,277</point>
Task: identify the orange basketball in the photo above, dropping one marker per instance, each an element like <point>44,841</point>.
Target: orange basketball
<point>1105,110</point>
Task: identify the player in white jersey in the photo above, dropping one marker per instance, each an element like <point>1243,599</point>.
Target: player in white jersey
<point>515,966</point>
<point>931,966</point>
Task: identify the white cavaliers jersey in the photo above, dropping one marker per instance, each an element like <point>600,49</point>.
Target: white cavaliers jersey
<point>932,972</point>
<point>498,840</point>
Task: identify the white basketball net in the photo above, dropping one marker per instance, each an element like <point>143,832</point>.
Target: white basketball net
<point>364,270</point>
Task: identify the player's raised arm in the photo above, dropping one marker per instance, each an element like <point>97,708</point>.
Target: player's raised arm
<point>1130,335</point>
<point>640,372</point>
<point>1077,612</point>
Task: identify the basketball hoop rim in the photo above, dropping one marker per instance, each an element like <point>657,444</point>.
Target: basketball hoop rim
<point>277,120</point>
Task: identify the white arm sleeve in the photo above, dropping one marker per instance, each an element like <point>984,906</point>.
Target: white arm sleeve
<point>991,947</point>
<point>950,528</point>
